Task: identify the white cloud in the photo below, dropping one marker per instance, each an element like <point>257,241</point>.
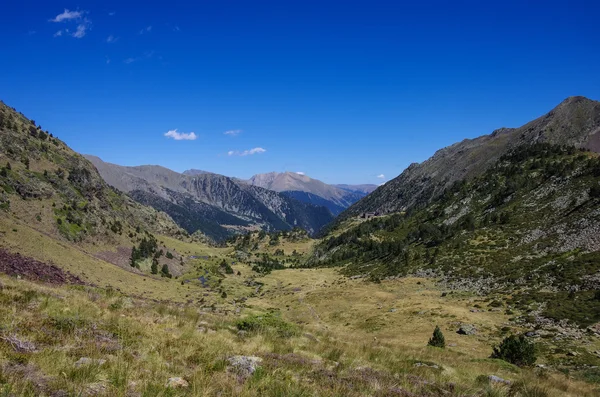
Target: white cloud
<point>112,13</point>
<point>81,30</point>
<point>111,39</point>
<point>381,176</point>
<point>147,55</point>
<point>83,24</point>
<point>181,136</point>
<point>300,173</point>
<point>256,150</point>
<point>67,15</point>
<point>147,29</point>
<point>233,132</point>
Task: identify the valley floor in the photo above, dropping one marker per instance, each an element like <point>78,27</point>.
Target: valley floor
<point>293,332</point>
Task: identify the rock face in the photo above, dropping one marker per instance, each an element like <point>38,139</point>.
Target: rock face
<point>244,366</point>
<point>213,204</point>
<point>575,121</point>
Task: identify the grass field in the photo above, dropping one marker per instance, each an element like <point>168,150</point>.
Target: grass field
<point>318,333</point>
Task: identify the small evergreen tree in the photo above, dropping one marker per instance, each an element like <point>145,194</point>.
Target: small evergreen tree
<point>169,255</point>
<point>154,267</point>
<point>224,295</point>
<point>133,257</point>
<point>516,350</point>
<point>226,267</point>
<point>437,339</point>
<point>164,272</point>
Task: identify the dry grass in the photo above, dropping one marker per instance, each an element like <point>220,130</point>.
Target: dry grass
<point>144,343</point>
<point>352,338</point>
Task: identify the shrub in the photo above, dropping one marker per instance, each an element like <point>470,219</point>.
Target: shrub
<point>516,350</point>
<point>437,339</point>
<point>270,323</point>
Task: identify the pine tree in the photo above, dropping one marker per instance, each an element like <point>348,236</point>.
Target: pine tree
<point>164,272</point>
<point>437,339</point>
<point>133,257</point>
<point>154,267</point>
<point>516,350</point>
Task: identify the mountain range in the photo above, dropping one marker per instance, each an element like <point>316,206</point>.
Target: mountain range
<point>309,190</point>
<point>213,204</point>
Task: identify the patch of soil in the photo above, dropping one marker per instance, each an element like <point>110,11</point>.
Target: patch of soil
<point>31,269</point>
<point>119,258</point>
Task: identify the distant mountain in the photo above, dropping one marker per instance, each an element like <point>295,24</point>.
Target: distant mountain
<point>575,122</point>
<point>193,172</point>
<point>216,205</point>
<point>308,190</point>
<point>361,189</point>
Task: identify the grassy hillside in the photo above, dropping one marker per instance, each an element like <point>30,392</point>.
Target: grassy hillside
<point>56,190</point>
<point>528,227</point>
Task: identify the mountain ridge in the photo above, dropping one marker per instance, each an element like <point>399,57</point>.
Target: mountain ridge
<point>575,121</point>
<point>181,194</point>
<point>307,189</point>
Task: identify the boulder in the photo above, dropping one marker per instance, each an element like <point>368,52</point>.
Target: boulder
<point>244,366</point>
<point>177,383</point>
<point>467,329</point>
<point>497,379</point>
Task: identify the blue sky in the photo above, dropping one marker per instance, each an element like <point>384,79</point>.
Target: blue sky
<point>346,92</point>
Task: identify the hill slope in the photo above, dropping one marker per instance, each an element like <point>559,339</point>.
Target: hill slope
<point>214,204</point>
<point>575,122</point>
<point>528,228</point>
<point>59,192</point>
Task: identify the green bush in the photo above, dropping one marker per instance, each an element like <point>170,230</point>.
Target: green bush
<point>437,339</point>
<point>516,350</point>
<point>269,323</point>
